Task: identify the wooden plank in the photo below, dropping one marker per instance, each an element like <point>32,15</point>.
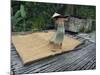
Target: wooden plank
<point>57,63</point>
<point>70,62</point>
<point>48,65</point>
<point>36,46</point>
<point>38,64</point>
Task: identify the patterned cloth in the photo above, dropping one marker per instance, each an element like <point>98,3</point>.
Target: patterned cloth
<point>58,36</point>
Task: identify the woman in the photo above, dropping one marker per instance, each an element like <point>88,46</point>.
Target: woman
<point>57,39</point>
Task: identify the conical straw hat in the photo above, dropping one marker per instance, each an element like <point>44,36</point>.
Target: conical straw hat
<point>55,15</point>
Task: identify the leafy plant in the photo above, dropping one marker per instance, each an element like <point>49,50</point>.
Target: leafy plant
<point>19,19</point>
<point>29,16</point>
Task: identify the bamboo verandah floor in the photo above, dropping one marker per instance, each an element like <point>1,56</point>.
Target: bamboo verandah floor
<point>82,58</point>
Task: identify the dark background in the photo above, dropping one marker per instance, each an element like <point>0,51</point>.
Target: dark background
<point>34,16</point>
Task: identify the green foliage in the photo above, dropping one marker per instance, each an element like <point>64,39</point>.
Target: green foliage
<point>18,20</point>
<point>22,11</point>
<point>15,19</point>
<point>38,23</point>
<point>17,14</point>
<point>86,11</point>
<point>33,16</point>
